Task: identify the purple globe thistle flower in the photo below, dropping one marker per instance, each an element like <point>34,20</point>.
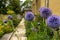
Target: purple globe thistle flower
<point>53,21</point>
<point>45,12</point>
<point>5,21</point>
<point>29,16</point>
<point>9,17</point>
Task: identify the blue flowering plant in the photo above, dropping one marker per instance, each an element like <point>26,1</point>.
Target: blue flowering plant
<point>45,12</point>
<point>42,27</point>
<point>8,24</point>
<point>9,16</point>
<point>5,27</point>
<point>29,16</point>
<point>53,21</point>
<point>5,21</point>
<point>15,19</point>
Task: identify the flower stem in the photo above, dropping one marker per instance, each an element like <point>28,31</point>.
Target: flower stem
<point>12,24</point>
<point>45,26</point>
<point>56,35</point>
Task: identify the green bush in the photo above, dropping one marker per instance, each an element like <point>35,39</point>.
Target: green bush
<point>8,25</point>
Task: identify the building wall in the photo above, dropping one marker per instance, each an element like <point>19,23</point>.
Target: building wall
<point>38,5</point>
<point>54,5</point>
<point>42,3</point>
<point>34,6</point>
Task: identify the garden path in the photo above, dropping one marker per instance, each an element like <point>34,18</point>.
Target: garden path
<point>20,32</point>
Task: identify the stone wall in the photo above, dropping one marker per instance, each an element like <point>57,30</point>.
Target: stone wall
<point>54,5</point>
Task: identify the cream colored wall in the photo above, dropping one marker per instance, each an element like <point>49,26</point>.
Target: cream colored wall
<point>55,6</point>
<point>34,6</point>
<point>42,3</point>
<point>38,4</point>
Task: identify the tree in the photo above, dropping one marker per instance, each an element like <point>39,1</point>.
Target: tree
<point>3,6</point>
<point>15,5</point>
<point>26,4</point>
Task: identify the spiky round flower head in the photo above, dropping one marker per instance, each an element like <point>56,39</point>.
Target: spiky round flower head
<point>9,17</point>
<point>29,16</point>
<point>53,21</point>
<point>45,12</point>
<point>5,21</point>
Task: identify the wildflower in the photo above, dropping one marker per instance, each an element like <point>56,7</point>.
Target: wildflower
<point>5,21</point>
<point>45,12</point>
<point>29,16</point>
<point>53,21</point>
<point>9,17</point>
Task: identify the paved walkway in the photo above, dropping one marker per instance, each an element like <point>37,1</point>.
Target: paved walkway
<point>20,32</point>
<point>6,36</point>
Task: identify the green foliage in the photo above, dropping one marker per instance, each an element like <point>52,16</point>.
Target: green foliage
<point>15,5</point>
<point>9,26</point>
<point>10,12</point>
<point>3,8</point>
<point>5,28</point>
<point>27,4</point>
<point>16,20</point>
